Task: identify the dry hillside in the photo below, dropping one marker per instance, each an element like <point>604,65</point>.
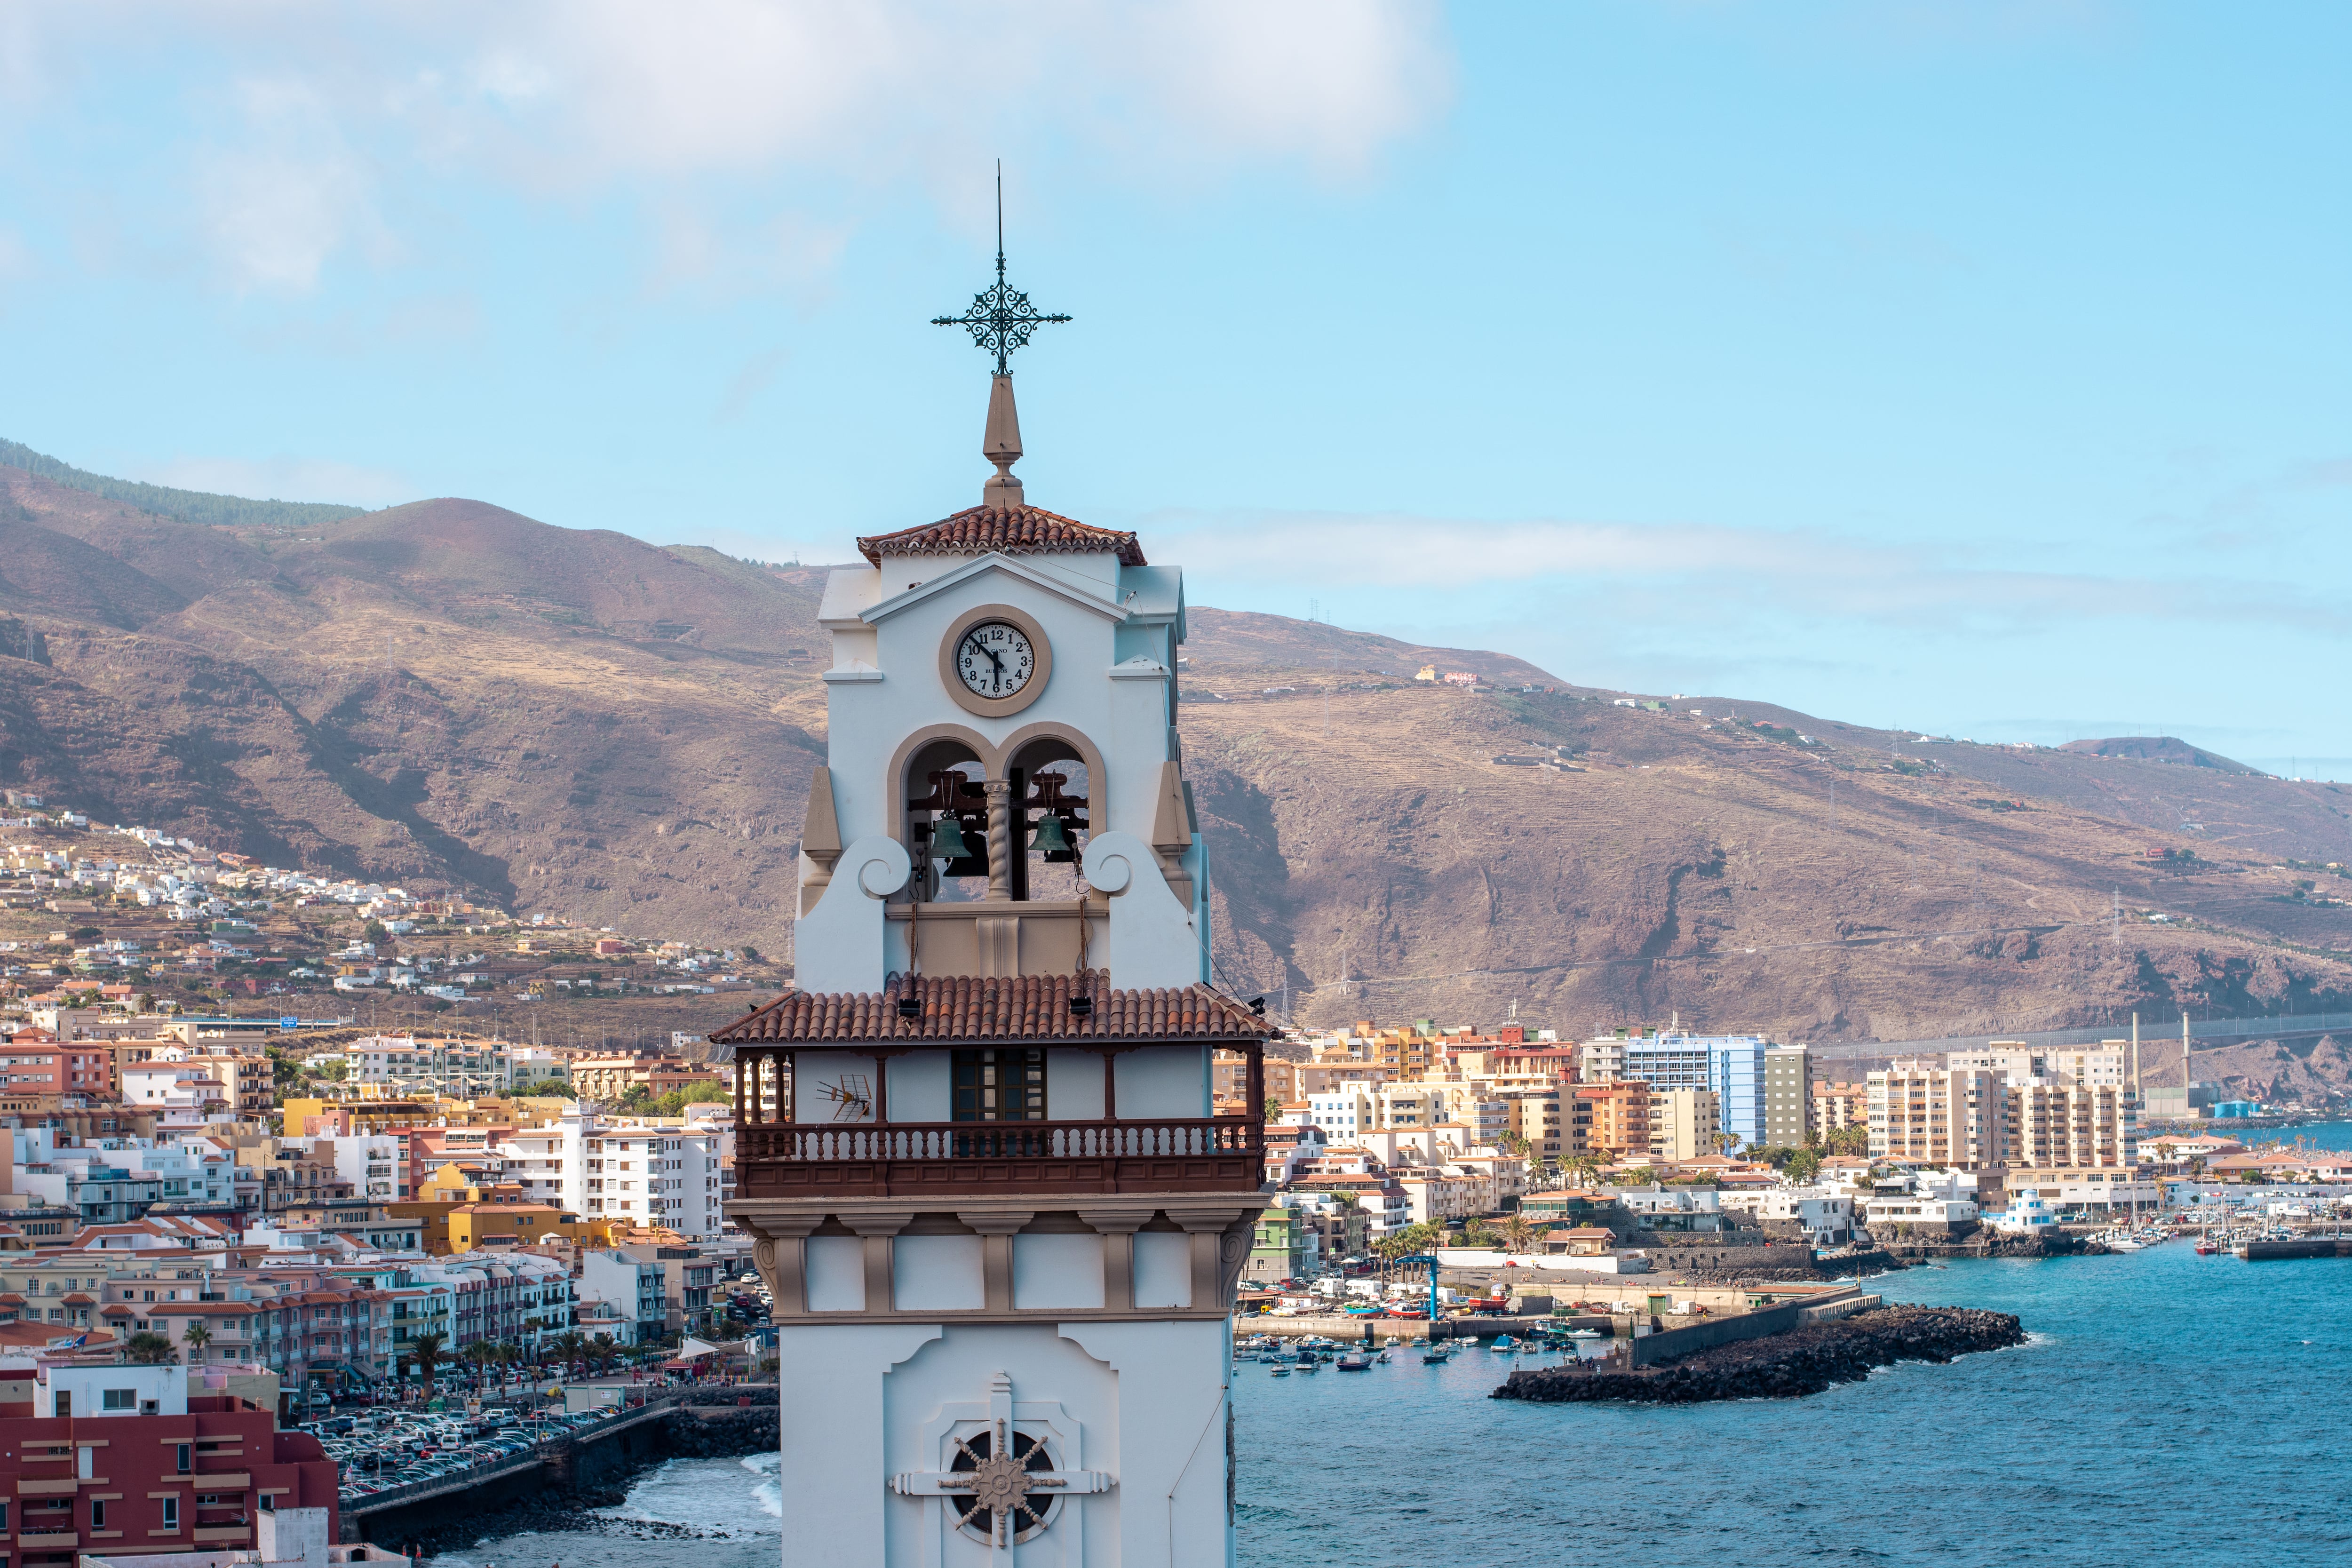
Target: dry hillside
<point>576,721</point>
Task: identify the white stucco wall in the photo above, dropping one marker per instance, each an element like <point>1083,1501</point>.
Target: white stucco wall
<point>1163,1269</point>
<point>936,1274</point>
<point>1164,1080</point>
<point>1057,1272</point>
<point>922,1086</point>
<point>1073,1086</point>
<point>836,1273</point>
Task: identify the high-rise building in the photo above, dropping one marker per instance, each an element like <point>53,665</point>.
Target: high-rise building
<point>2106,1063</point>
<point>1001,1225</point>
<point>1787,1095</point>
<point>1620,1124</point>
<point>1732,1065</point>
<point>1957,1118</point>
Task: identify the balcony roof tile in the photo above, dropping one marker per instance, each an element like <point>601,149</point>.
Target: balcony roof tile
<point>961,1008</point>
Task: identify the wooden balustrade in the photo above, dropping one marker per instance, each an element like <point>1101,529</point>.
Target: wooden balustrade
<point>1225,1153</point>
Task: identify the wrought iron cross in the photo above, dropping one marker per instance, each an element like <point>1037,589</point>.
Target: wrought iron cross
<point>1001,318</point>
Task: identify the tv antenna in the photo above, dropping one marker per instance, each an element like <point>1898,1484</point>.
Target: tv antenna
<point>852,1100</point>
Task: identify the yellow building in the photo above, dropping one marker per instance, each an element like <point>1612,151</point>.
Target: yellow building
<point>455,1216</point>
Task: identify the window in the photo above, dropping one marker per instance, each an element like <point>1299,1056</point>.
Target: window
<point>1000,1086</point>
<point>120,1399</point>
<point>183,1455</point>
<point>98,1513</point>
<point>172,1505</point>
<point>65,1407</point>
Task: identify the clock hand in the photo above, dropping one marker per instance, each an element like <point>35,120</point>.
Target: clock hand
<point>993,657</point>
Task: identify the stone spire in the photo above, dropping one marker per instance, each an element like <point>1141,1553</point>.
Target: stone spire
<point>1001,445</point>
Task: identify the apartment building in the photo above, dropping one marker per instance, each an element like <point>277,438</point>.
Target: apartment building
<point>1229,1077</point>
<point>1620,1119</point>
<point>632,1287</point>
<point>2072,1126</point>
<point>185,1470</point>
<point>1835,1105</point>
<point>1787,1095</point>
<point>1684,1124</point>
<point>2105,1065</point>
<point>1535,1115</point>
<point>1731,1065</point>
<point>611,1077</point>
<point>1957,1118</point>
<point>655,1174</point>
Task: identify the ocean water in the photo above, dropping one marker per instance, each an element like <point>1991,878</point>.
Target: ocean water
<point>2168,1409</point>
<point>732,1507</point>
<point>2320,1135</point>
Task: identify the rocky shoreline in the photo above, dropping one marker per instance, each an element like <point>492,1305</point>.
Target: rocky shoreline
<point>1783,1366</point>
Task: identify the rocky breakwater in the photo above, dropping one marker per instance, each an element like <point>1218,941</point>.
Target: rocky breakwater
<point>1784,1366</point>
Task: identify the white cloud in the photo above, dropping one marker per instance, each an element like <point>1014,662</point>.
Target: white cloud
<point>285,193</point>
<point>598,88</point>
<point>346,113</point>
<point>279,478</point>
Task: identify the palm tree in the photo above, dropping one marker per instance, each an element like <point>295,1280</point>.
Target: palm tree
<point>1519,1233</point>
<point>567,1346</point>
<point>197,1338</point>
<point>481,1353</point>
<point>601,1350</point>
<point>149,1349</point>
<point>425,1349</point>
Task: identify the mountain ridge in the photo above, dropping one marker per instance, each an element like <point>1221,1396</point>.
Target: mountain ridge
<point>578,721</point>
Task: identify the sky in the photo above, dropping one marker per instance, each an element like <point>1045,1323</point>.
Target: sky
<point>1982,369</point>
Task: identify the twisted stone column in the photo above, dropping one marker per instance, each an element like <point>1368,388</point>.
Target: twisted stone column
<point>1000,837</point>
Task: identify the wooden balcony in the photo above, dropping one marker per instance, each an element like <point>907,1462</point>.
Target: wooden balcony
<point>956,1159</point>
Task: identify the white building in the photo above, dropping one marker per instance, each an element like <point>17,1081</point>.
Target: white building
<point>660,1174</point>
<point>1909,1214</point>
<point>371,1162</point>
<point>631,1287</point>
<point>1826,1218</point>
<point>1344,1113</point>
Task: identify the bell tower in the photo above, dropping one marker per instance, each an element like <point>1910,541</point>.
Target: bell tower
<point>976,1146</point>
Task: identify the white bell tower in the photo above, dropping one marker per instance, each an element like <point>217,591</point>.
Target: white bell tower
<point>999,1214</point>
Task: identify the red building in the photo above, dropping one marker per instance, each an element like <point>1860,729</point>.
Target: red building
<point>121,1460</point>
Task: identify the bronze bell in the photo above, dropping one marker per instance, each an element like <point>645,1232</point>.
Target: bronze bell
<point>1051,838</point>
<point>947,839</point>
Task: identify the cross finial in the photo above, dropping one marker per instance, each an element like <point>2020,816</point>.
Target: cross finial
<point>1001,318</point>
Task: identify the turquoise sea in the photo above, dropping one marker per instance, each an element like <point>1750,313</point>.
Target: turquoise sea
<point>2167,1409</point>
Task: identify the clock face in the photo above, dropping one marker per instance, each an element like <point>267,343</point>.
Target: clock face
<point>995,660</point>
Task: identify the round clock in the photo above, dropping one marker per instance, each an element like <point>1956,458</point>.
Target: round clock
<point>995,660</point>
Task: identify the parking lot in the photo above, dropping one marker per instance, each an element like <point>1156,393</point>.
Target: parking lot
<point>504,1415</point>
<point>387,1449</point>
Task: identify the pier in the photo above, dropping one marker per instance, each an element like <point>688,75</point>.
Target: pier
<point>2300,1247</point>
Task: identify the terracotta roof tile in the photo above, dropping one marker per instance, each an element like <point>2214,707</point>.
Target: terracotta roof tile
<point>1022,531</point>
<point>964,1007</point>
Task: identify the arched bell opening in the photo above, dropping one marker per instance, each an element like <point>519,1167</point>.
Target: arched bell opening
<point>947,823</point>
<point>1053,788</point>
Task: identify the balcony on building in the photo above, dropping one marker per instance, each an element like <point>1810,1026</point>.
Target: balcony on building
<point>960,1086</point>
